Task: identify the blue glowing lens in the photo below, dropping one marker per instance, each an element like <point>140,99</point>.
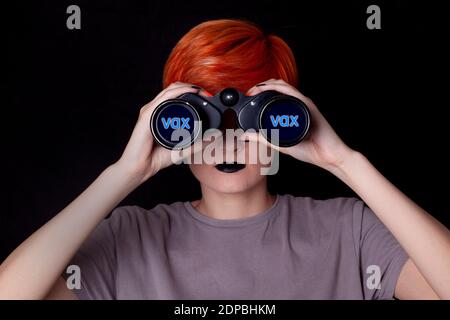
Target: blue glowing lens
<point>175,124</point>
<point>286,117</point>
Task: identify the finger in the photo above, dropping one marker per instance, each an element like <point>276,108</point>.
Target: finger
<point>204,93</point>
<point>172,93</point>
<point>175,88</point>
<point>257,137</point>
<point>162,156</point>
<point>272,85</point>
<point>174,85</point>
<point>170,86</point>
<point>258,88</point>
<point>272,81</point>
<point>191,151</point>
<point>284,88</point>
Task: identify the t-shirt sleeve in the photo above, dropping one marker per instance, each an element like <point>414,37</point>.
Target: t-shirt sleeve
<point>96,260</point>
<point>381,256</point>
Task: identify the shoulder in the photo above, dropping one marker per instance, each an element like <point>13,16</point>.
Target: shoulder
<point>338,206</point>
<point>124,218</point>
<point>330,213</point>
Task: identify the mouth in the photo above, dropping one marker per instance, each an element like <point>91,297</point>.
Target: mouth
<point>230,167</point>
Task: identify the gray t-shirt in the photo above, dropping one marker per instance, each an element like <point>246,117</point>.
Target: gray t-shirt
<point>300,248</point>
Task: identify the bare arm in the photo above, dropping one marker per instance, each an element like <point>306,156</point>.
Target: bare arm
<point>426,241</point>
<point>32,269</point>
<point>59,291</point>
<point>411,285</point>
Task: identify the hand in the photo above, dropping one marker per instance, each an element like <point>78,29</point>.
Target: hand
<point>143,157</point>
<point>322,146</point>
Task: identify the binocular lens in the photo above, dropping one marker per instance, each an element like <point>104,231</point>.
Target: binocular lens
<point>282,119</point>
<point>175,124</point>
<point>289,117</point>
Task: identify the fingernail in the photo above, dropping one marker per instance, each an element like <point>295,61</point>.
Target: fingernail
<point>196,87</point>
<point>260,84</point>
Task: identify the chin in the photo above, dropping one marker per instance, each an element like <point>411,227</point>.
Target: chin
<point>228,180</point>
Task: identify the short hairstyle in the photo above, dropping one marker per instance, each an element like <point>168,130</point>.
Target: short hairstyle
<point>229,53</point>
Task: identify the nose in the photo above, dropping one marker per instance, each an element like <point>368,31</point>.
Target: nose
<point>229,120</point>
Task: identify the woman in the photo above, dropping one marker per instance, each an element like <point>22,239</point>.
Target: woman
<point>237,241</point>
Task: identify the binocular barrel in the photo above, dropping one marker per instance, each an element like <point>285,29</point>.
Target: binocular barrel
<point>282,119</point>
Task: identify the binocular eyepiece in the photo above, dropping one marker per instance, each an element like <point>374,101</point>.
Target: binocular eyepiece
<point>282,119</point>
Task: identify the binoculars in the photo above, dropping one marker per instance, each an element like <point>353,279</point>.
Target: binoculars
<point>191,114</point>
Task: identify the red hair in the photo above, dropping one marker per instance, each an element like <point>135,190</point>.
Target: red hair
<point>229,53</point>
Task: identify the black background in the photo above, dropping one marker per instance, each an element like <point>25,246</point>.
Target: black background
<point>285,309</point>
<point>73,96</point>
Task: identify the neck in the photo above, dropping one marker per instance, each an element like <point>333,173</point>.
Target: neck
<point>239,205</point>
